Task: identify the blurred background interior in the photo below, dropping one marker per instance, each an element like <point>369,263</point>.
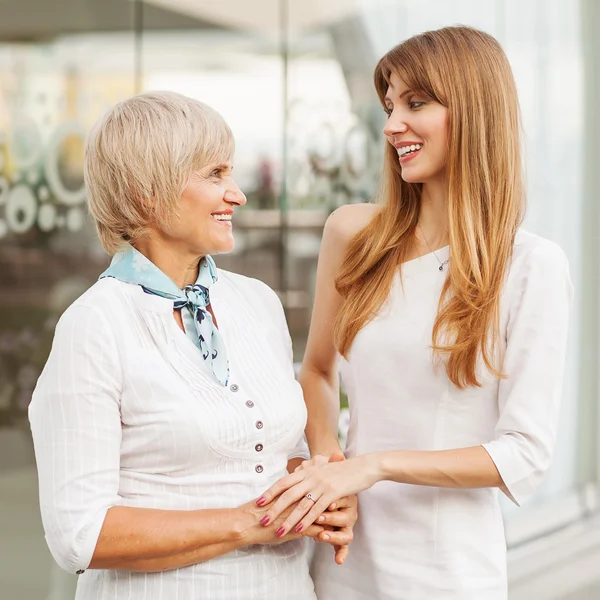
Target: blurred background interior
<point>294,80</point>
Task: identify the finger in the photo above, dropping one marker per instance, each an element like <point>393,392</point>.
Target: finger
<point>337,518</point>
<point>315,512</point>
<point>313,531</point>
<point>337,457</point>
<point>341,537</point>
<point>293,519</point>
<point>345,502</point>
<point>279,487</point>
<point>284,501</point>
<point>341,553</point>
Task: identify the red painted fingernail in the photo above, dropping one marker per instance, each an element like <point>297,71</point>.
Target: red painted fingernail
<point>280,532</point>
<point>265,520</point>
<point>261,501</point>
<point>299,527</point>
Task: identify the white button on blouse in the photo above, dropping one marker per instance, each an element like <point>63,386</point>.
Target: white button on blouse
<point>126,413</point>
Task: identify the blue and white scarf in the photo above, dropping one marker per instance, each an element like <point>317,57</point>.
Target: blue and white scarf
<point>131,266</point>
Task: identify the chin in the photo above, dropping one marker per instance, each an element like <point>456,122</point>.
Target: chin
<point>223,248</point>
<point>413,177</point>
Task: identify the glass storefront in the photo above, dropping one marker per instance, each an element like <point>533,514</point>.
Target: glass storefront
<point>293,78</point>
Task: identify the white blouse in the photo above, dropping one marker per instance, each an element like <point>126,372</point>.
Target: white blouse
<point>126,413</point>
<point>426,543</point>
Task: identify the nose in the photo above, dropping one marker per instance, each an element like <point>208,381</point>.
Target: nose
<point>395,125</point>
<point>233,194</point>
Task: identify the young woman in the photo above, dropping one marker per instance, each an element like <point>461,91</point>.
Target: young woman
<point>169,401</point>
<point>452,324</point>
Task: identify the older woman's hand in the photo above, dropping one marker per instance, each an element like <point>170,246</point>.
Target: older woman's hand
<point>338,521</point>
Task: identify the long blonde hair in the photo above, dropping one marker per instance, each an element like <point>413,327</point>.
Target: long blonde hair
<point>467,71</point>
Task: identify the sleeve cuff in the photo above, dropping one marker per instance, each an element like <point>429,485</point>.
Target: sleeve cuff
<point>520,481</point>
<point>301,450</point>
<point>85,545</point>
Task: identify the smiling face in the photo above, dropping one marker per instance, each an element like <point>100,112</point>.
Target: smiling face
<point>417,127</point>
<point>203,224</point>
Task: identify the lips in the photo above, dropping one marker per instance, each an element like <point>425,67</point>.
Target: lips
<point>408,155</point>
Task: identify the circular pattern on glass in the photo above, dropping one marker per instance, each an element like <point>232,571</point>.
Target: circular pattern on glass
<point>65,152</point>
<point>43,193</point>
<point>47,217</point>
<point>32,176</point>
<point>21,209</point>
<point>26,143</point>
<point>4,190</point>
<point>75,219</point>
<point>356,151</point>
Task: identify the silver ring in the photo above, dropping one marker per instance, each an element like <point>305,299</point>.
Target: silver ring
<point>309,496</point>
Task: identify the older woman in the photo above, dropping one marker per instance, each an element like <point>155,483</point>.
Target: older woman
<point>168,402</point>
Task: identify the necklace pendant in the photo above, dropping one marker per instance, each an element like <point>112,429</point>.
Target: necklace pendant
<point>441,268</point>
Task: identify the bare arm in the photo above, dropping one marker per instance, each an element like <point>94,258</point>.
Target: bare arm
<point>319,373</point>
<point>148,540</point>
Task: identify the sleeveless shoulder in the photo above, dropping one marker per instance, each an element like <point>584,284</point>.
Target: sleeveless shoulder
<point>346,221</point>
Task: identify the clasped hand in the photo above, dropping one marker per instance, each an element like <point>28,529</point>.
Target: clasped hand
<point>323,492</point>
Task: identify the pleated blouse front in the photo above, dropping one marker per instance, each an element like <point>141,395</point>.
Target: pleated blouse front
<point>127,413</point>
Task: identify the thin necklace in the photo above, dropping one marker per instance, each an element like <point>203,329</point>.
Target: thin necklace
<point>442,264</point>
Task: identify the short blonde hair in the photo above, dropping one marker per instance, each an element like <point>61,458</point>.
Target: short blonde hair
<point>138,159</point>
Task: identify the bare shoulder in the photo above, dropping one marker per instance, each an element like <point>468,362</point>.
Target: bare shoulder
<point>346,221</point>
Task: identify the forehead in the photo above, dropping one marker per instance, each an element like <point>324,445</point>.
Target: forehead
<point>397,86</point>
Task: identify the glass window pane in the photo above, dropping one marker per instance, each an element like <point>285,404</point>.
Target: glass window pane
<point>53,87</point>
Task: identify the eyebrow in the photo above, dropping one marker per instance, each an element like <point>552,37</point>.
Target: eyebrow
<point>404,93</point>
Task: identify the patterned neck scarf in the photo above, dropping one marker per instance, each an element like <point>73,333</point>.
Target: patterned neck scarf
<point>131,266</point>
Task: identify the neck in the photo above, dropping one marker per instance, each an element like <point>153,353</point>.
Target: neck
<point>180,265</point>
<point>433,219</point>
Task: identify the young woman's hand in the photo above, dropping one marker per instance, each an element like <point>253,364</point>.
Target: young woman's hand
<point>314,489</point>
<point>340,517</point>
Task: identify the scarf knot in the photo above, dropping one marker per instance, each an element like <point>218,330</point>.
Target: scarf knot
<point>131,266</point>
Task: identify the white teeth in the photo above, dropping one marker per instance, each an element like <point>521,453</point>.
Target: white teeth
<point>406,149</point>
<point>222,217</point>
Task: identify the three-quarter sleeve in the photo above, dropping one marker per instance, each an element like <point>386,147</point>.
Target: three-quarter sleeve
<point>76,426</point>
<point>529,395</point>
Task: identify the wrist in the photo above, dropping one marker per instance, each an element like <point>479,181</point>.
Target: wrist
<point>243,524</point>
<point>376,467</point>
<point>325,447</point>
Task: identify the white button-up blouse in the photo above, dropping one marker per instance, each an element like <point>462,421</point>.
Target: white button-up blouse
<point>126,413</point>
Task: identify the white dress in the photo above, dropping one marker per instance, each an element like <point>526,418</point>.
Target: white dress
<point>126,413</point>
<point>425,543</point>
